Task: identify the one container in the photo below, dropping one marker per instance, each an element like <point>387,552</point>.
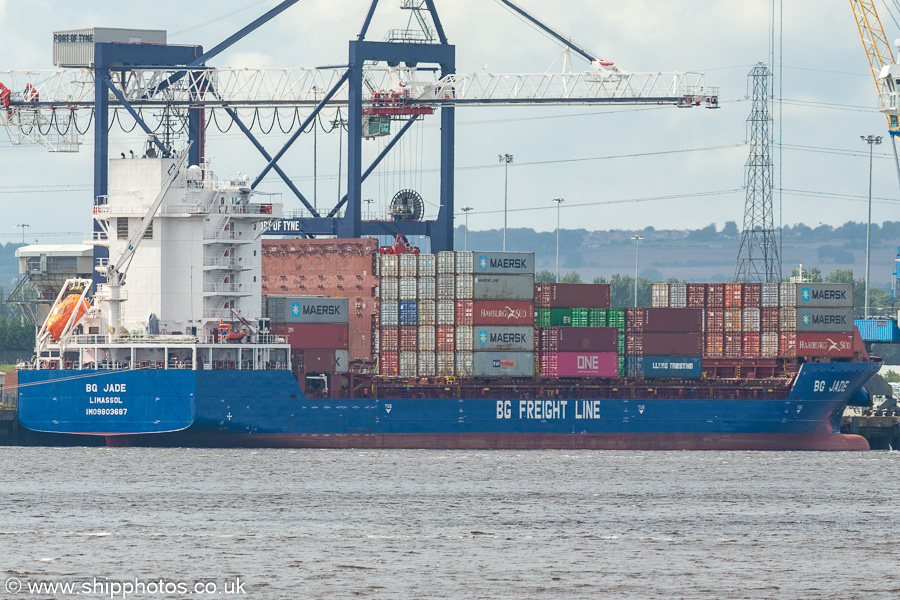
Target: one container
<point>446,312</point>
<point>465,338</point>
<point>408,288</point>
<point>571,295</point>
<point>828,320</point>
<point>464,287</point>
<point>822,295</point>
<point>426,288</point>
<point>503,287</point>
<point>587,364</point>
<point>465,263</point>
<point>409,265</point>
<point>389,288</point>
<point>502,312</point>
<point>678,295</point>
<point>680,367</point>
<point>659,295</point>
<point>408,364</point>
<point>446,364</point>
<point>426,266</point>
<point>502,364</point>
<point>427,339</point>
<point>408,312</point>
<point>504,263</point>
<point>672,319</point>
<point>306,309</point>
<point>303,336</point>
<point>680,344</point>
<point>464,364</point>
<point>824,344</point>
<point>464,312</point>
<point>427,312</point>
<point>516,338</point>
<point>427,364</point>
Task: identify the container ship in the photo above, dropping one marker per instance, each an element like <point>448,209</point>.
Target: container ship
<point>219,339</point>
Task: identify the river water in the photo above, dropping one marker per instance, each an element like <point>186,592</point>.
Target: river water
<point>296,524</point>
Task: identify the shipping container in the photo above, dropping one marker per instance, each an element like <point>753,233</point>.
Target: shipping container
<point>426,288</point>
<point>464,364</point>
<point>824,344</point>
<point>659,295</point>
<point>681,367</point>
<point>446,364</point>
<point>408,288</point>
<point>389,363</point>
<point>408,364</point>
<point>572,295</point>
<point>768,319</point>
<point>715,319</point>
<point>465,263</point>
<point>634,319</point>
<point>426,267</point>
<point>409,338</point>
<point>409,265</point>
<point>446,286</point>
<point>715,295</point>
<point>732,345</point>
<point>824,295</point>
<point>828,320</point>
<point>539,295</point>
<point>390,265</point>
<point>577,339</point>
<point>769,295</point>
<point>696,295</point>
<point>787,319</point>
<point>504,263</point>
<point>446,338</point>
<point>662,320</point>
<point>580,317</point>
<point>542,317</point>
<point>634,366</point>
<point>341,361</point>
<point>390,339</point>
<point>427,364</point>
<point>427,312</point>
<point>732,297</point>
<point>306,309</point>
<point>878,330</point>
<point>752,295</point>
<point>76,47</point>
<point>634,343</point>
<point>587,364</point>
<point>733,319</point>
<point>319,360</point>
<point>464,285</point>
<point>446,312</point>
<point>408,312</point>
<point>500,364</point>
<point>615,317</point>
<point>678,295</point>
<point>597,317</point>
<point>427,339</point>
<point>768,344</point>
<point>787,294</point>
<point>446,263</point>
<point>464,311</point>
<point>750,319</point>
<point>786,342</point>
<point>465,337</point>
<point>750,344</point>
<point>389,288</point>
<point>501,312</point>
<point>713,344</point>
<point>503,287</point>
<point>303,336</point>
<point>514,338</point>
<point>680,344</point>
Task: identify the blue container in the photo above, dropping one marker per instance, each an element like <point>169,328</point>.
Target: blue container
<point>409,312</point>
<point>634,366</point>
<point>878,330</point>
<point>679,367</point>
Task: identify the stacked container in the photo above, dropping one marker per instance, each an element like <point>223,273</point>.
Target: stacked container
<point>315,327</point>
<point>664,342</point>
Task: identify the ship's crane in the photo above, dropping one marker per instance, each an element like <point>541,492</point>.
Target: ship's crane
<point>382,82</point>
<point>885,71</point>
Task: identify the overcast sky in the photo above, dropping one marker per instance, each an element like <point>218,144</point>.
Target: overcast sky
<point>625,168</point>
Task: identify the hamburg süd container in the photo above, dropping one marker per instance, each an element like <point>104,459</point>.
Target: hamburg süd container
<point>824,344</point>
<point>503,287</point>
<point>502,312</point>
<point>501,364</point>
<point>503,263</point>
<point>514,338</point>
<point>680,367</point>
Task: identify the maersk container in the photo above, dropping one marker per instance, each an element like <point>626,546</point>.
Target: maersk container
<point>878,330</point>
<point>464,287</point>
<point>674,367</point>
<point>390,265</point>
<point>504,263</point>
<point>587,364</point>
<point>824,319</point>
<point>824,295</point>
<point>446,263</point>
<point>464,364</point>
<point>465,338</point>
<point>673,344</point>
<point>768,295</point>
<point>389,288</point>
<point>426,267</point>
<point>677,295</point>
<point>501,364</point>
<point>390,313</point>
<point>517,338</point>
<point>409,265</point>
<point>306,309</point>
<point>659,295</point>
<point>427,364</point>
<point>572,295</point>
<point>503,287</point>
<point>446,286</point>
<point>409,312</point>
<point>446,364</point>
<point>408,364</point>
<point>662,320</point>
<point>426,288</point>
<point>446,312</point>
<point>427,313</point>
<point>408,288</point>
<point>427,339</point>
<point>502,312</point>
<point>465,262</point>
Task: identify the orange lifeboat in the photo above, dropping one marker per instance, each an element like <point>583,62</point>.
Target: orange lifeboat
<point>236,336</point>
<point>62,312</point>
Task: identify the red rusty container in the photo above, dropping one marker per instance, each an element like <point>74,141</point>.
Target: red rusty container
<point>787,343</point>
<point>539,295</point>
<point>750,345</point>
<point>672,320</point>
<point>574,295</point>
<point>302,336</point>
<point>715,319</point>
<point>389,363</point>
<point>502,312</point>
<point>673,344</point>
<point>634,343</point>
<point>713,346</point>
<point>579,339</point>
<point>733,295</point>
<point>446,338</point>
<point>464,310</point>
<point>634,319</point>
<point>768,320</point>
<point>732,345</point>
<point>696,295</point>
<point>752,295</point>
<point>390,339</point>
<point>715,295</point>
<point>409,338</point>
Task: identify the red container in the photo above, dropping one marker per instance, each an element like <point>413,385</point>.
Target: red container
<point>672,320</point>
<point>750,344</point>
<point>715,295</point>
<point>587,364</point>
<point>634,319</point>
<point>715,319</point>
<point>824,344</point>
<point>389,363</point>
<point>579,339</point>
<point>390,339</point>
<point>502,312</point>
<point>713,346</point>
<point>539,295</point>
<point>318,361</point>
<point>634,343</point>
<point>409,338</point>
<point>464,310</point>
<point>696,295</point>
<point>574,295</point>
<point>732,345</point>
<point>733,295</point>
<point>752,295</point>
<point>673,344</point>
<point>446,338</point>
<point>304,336</point>
<point>787,342</point>
<point>768,320</point>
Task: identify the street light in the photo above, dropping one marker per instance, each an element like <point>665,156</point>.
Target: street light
<point>466,210</point>
<point>872,140</point>
<point>23,226</point>
<point>559,202</point>
<point>637,240</point>
<point>505,158</point>
<point>369,201</point>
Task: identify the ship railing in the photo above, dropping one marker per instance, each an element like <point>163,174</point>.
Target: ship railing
<point>222,261</point>
<point>223,287</point>
<point>96,237</point>
<point>217,313</point>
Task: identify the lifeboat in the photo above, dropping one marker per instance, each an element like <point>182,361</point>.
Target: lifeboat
<point>236,336</point>
<point>62,312</point>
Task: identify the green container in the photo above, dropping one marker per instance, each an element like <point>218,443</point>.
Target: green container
<point>621,346</point>
<point>542,317</point>
<point>621,364</point>
<point>616,318</point>
<point>597,317</point>
<point>560,317</point>
<point>580,317</point>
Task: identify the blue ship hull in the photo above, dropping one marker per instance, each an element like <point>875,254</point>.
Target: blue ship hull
<point>268,409</point>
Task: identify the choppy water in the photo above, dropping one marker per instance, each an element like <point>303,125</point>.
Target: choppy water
<point>453,524</point>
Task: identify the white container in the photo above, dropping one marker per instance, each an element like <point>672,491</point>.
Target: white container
<point>409,265</point>
<point>390,313</point>
<point>426,339</point>
<point>446,287</point>
<point>464,364</point>
<point>446,263</point>
<point>446,312</point>
<point>427,364</point>
<point>678,295</point>
<point>465,338</point>
<point>465,285</point>
<point>408,364</point>
<point>427,313</point>
<point>751,320</point>
<point>408,288</point>
<point>427,265</point>
<point>659,295</point>
<point>389,265</point>
<point>427,288</point>
<point>769,296</point>
<point>389,288</point>
<point>465,263</point>
<point>446,364</point>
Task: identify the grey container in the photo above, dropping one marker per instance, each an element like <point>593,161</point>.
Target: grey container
<point>503,364</point>
<point>390,265</point>
<point>504,263</point>
<point>503,287</point>
<point>446,287</point>
<point>409,265</point>
<point>512,338</point>
<point>307,309</point>
<point>75,47</point>
<point>426,288</point>
<point>407,288</point>
<point>389,288</point>
<point>465,262</point>
<point>390,313</point>
<point>822,295</point>
<point>426,265</point>
<point>446,262</point>
<point>464,288</point>
<point>826,320</point>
